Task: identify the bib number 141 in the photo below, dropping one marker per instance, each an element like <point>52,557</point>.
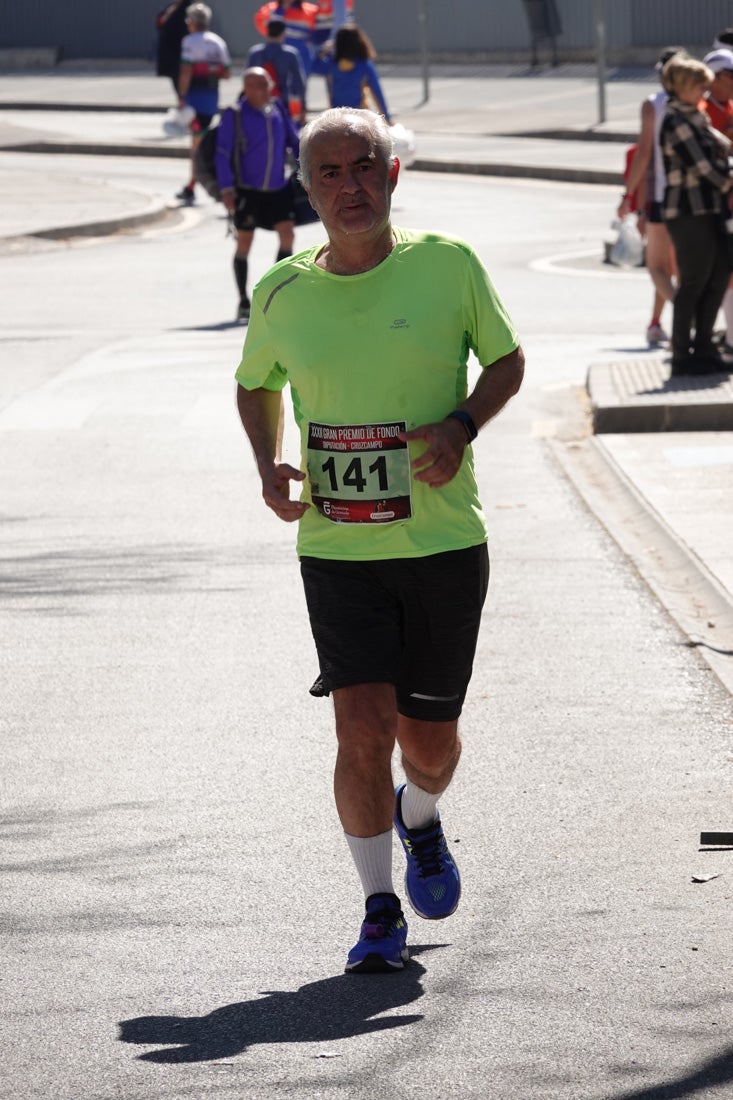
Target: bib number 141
<point>353,475</point>
<point>359,473</point>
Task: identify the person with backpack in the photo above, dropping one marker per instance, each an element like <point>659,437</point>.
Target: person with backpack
<point>285,67</point>
<point>254,139</point>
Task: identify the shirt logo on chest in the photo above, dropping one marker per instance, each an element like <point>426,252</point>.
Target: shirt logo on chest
<point>399,322</point>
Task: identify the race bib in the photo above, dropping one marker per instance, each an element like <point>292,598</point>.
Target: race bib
<point>359,473</point>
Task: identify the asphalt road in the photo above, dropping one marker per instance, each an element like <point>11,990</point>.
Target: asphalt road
<point>177,900</point>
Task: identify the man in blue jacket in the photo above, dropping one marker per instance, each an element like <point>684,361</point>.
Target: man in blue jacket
<point>253,141</point>
<point>283,64</point>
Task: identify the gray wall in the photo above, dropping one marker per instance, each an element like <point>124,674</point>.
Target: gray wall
<point>125,28</point>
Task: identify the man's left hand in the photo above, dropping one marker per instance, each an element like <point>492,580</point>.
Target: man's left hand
<point>446,442</point>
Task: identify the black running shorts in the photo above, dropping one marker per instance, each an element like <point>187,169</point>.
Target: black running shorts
<point>411,622</point>
<point>263,209</point>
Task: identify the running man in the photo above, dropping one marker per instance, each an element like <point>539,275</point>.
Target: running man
<point>373,330</point>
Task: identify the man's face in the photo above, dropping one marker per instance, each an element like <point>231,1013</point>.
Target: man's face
<point>350,186</point>
<point>724,84</point>
<point>257,91</point>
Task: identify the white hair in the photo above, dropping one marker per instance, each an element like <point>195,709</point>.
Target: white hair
<point>199,15</point>
<point>346,120</point>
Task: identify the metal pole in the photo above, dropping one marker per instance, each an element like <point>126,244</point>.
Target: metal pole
<point>424,50</point>
<point>601,58</point>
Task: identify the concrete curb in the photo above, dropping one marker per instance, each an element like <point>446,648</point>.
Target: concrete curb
<point>105,227</point>
<point>638,395</point>
<point>87,108</point>
<point>682,583</point>
<point>583,133</point>
<point>421,164</point>
<point>520,171</point>
<point>91,149</point>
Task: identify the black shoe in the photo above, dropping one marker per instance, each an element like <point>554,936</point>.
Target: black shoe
<point>243,311</point>
<point>714,358</point>
<point>691,365</point>
<point>186,195</point>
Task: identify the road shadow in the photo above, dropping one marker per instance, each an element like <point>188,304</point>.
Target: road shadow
<point>700,644</point>
<point>688,383</point>
<point>708,1075</point>
<point>324,1011</point>
<point>217,326</point>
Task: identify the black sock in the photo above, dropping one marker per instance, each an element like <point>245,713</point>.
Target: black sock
<point>283,253</point>
<point>240,274</point>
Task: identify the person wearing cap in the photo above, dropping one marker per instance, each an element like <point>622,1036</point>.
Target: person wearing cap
<point>285,67</point>
<point>717,100</point>
<point>647,179</point>
<point>724,39</point>
<point>696,201</point>
<point>718,105</point>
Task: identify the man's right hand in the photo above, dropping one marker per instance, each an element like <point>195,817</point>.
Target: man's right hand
<point>624,207</point>
<point>229,199</point>
<point>276,492</point>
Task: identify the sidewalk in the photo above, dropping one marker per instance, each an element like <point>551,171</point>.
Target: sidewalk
<point>494,120</point>
<point>464,125</point>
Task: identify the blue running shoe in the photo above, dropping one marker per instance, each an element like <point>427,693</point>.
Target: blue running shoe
<point>382,945</point>
<point>432,881</point>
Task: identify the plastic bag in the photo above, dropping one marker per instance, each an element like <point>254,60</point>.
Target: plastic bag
<point>403,144</point>
<point>628,251</point>
<point>177,121</point>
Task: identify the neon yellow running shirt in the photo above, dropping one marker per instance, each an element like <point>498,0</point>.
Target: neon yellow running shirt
<point>366,355</point>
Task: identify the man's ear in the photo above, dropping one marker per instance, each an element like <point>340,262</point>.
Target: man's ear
<point>394,171</point>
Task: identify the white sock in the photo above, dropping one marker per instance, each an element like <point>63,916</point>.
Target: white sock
<point>372,856</point>
<point>419,808</point>
<point>728,314</point>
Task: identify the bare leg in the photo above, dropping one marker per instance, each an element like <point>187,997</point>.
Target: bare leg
<point>366,724</point>
<point>286,235</point>
<point>660,261</point>
<point>430,752</point>
<point>195,142</point>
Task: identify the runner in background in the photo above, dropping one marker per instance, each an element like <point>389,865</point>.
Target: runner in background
<point>254,139</point>
<point>284,65</point>
<point>204,62</point>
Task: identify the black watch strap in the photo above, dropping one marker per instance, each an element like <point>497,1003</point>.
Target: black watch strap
<point>467,420</point>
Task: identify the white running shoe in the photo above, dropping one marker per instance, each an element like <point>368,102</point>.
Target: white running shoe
<point>656,335</point>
